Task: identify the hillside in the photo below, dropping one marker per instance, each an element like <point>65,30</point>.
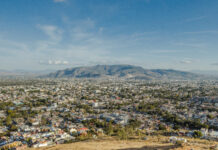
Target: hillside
<point>153,143</point>
<point>122,71</point>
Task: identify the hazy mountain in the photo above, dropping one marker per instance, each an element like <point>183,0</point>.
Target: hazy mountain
<point>24,73</point>
<point>206,72</point>
<point>122,71</point>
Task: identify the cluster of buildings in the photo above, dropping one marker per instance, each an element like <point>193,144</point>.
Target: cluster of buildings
<point>46,112</point>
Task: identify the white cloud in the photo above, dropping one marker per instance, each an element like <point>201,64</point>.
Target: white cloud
<point>82,29</point>
<point>65,62</point>
<point>13,46</point>
<point>186,61</point>
<point>101,29</point>
<point>83,42</point>
<point>195,19</point>
<point>52,31</point>
<point>190,44</point>
<point>203,32</point>
<point>164,51</point>
<point>54,62</point>
<point>59,1</point>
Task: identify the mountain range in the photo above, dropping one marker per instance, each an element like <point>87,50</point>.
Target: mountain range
<point>123,71</point>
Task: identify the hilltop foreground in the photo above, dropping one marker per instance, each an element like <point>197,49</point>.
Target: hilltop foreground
<point>153,143</point>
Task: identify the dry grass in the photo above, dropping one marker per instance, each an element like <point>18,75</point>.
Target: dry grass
<point>153,143</point>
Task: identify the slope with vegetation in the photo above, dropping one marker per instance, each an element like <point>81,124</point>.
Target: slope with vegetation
<point>122,71</point>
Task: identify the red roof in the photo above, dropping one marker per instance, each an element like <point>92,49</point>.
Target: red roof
<point>83,129</point>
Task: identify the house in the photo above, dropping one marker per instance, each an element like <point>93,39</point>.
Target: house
<point>35,123</point>
<point>3,129</point>
<point>12,145</point>
<point>174,139</point>
<point>95,104</point>
<point>213,134</point>
<point>204,132</point>
<point>2,114</point>
<point>73,130</point>
<point>3,142</point>
<point>82,131</point>
<point>41,144</point>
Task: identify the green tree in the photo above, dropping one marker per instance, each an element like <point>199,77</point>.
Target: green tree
<point>8,121</point>
<point>176,127</point>
<point>13,128</point>
<point>109,129</point>
<point>162,127</point>
<point>122,134</point>
<point>197,134</point>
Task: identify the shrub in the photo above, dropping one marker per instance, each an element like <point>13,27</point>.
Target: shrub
<point>197,134</point>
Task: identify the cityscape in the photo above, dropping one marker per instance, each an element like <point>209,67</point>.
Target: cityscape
<point>44,112</point>
<point>108,75</point>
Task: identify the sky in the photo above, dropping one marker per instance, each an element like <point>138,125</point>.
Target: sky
<point>57,34</point>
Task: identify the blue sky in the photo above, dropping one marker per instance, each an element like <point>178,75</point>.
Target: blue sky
<point>56,34</point>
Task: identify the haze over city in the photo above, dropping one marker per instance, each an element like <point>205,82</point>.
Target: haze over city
<point>58,34</point>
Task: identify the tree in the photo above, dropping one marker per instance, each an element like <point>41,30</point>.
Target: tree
<point>197,134</point>
<point>134,123</point>
<point>13,128</point>
<point>29,140</point>
<point>176,127</point>
<point>122,134</point>
<point>139,133</point>
<point>162,127</point>
<point>109,129</point>
<point>210,116</point>
<point>44,121</point>
<point>8,121</point>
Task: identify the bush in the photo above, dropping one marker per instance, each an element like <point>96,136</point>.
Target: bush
<point>179,143</point>
<point>162,127</point>
<point>176,127</point>
<point>122,134</point>
<point>197,134</point>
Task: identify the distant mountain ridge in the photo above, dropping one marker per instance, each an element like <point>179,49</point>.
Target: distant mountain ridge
<point>24,73</point>
<point>123,71</point>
